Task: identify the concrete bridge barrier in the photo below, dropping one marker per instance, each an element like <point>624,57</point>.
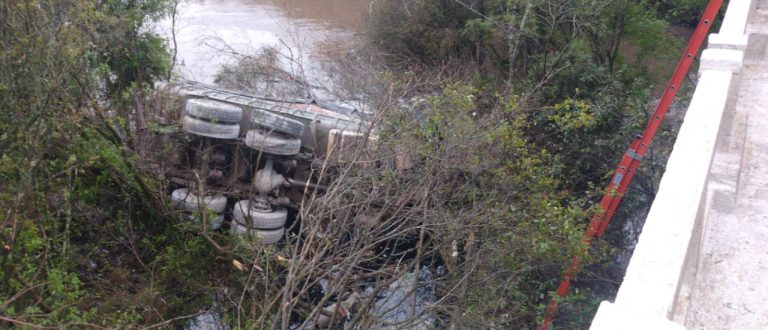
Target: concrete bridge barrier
<point>656,290</point>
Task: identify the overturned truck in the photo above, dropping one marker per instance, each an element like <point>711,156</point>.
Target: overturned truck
<point>246,158</point>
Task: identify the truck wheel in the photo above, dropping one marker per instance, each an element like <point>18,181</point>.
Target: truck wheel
<point>268,236</point>
<point>258,218</point>
<point>215,221</point>
<point>189,201</point>
<point>273,143</point>
<point>214,111</point>
<point>238,229</point>
<point>209,129</point>
<point>272,121</point>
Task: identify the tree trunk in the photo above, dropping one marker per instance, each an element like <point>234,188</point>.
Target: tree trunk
<point>141,123</point>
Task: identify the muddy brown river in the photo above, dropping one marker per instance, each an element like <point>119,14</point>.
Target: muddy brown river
<point>210,33</point>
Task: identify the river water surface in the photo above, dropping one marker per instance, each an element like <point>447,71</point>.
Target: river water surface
<point>209,32</point>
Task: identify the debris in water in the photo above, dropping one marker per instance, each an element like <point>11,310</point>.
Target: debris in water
<point>209,320</point>
<point>406,302</point>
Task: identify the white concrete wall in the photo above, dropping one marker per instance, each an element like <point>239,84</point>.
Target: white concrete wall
<point>649,290</point>
<point>732,33</point>
<point>669,242</point>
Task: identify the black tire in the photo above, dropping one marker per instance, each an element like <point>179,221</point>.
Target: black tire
<point>273,143</point>
<point>272,121</point>
<point>215,222</point>
<point>214,111</point>
<point>213,130</point>
<point>259,219</point>
<point>238,229</point>
<point>189,201</point>
<point>268,236</point>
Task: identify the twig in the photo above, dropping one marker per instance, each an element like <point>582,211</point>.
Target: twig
<point>14,321</point>
<point>173,320</point>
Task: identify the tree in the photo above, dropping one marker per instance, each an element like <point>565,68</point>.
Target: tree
<point>63,154</point>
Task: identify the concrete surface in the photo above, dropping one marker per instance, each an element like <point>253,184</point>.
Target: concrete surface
<point>649,292</point>
<point>730,289</point>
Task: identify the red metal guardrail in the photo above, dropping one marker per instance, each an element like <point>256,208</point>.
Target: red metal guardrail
<point>631,159</point>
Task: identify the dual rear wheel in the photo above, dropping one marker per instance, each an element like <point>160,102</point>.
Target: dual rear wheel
<point>270,133</point>
<point>268,225</point>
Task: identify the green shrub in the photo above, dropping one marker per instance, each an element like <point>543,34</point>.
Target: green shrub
<point>681,12</point>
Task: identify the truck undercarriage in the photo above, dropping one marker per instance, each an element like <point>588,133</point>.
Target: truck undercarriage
<point>246,158</point>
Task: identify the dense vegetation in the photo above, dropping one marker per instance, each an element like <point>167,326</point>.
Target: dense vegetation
<point>516,111</point>
<point>555,89</point>
<point>73,198</point>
